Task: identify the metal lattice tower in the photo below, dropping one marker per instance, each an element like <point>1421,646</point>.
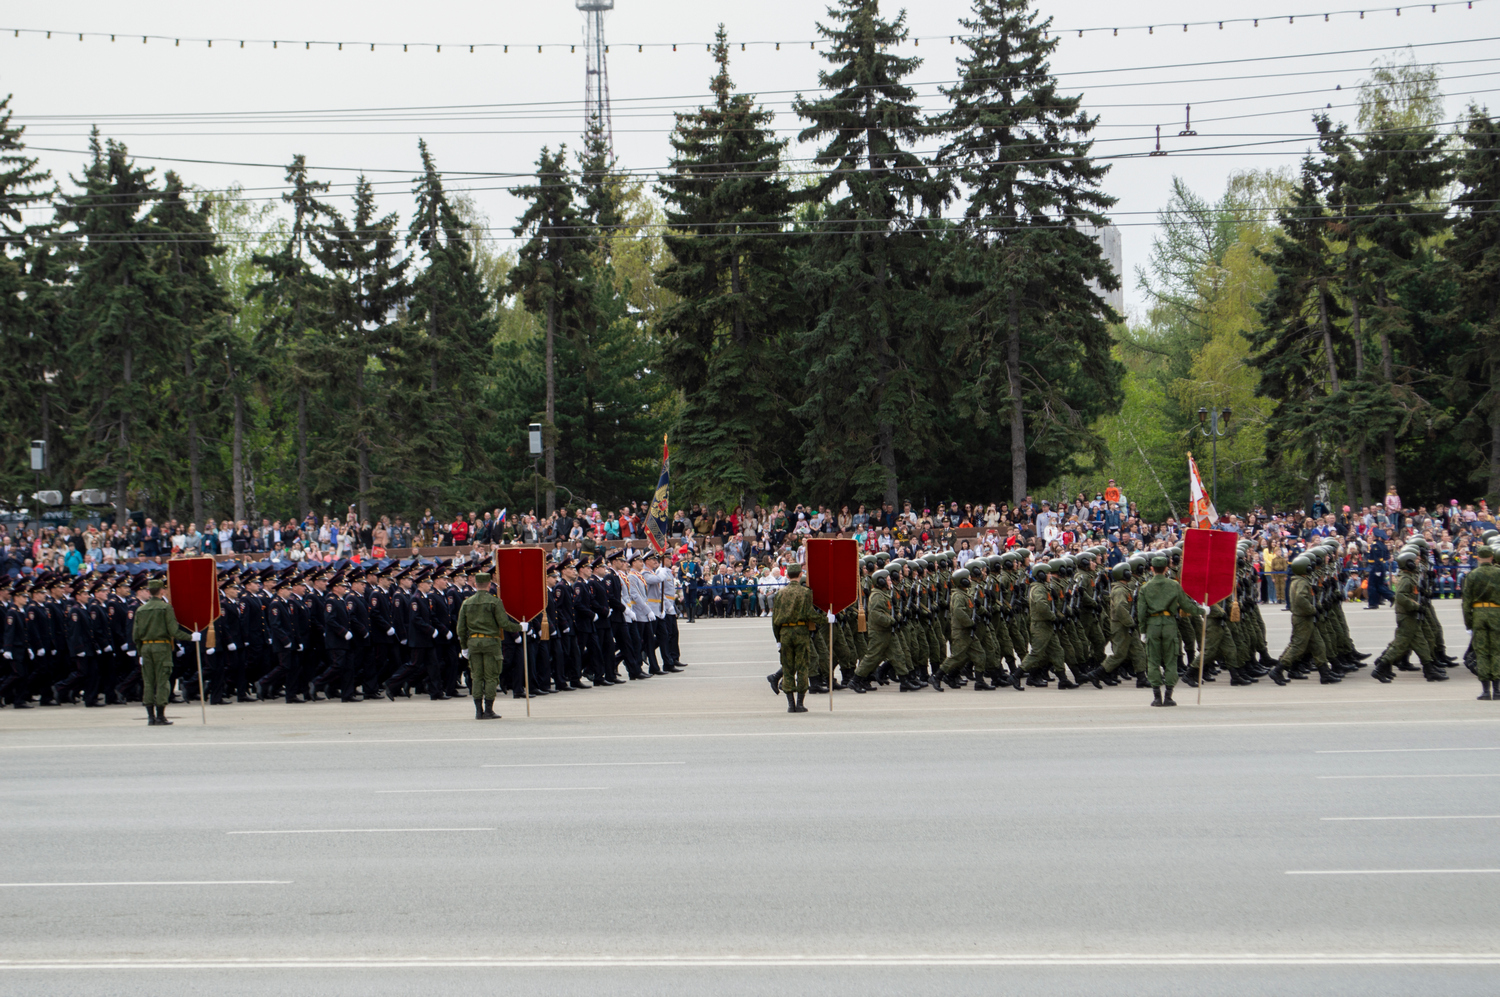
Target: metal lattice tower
<point>596,73</point>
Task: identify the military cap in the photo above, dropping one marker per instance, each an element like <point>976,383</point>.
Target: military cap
<point>154,585</point>
<point>1485,551</point>
<point>1159,561</point>
<point>482,579</point>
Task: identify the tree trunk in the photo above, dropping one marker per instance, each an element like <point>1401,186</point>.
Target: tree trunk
<point>122,476</point>
<point>549,431</point>
<point>1387,373</point>
<point>365,484</point>
<point>1017,405</point>
<point>304,501</point>
<point>1333,378</point>
<point>1494,489</point>
<point>195,480</point>
<point>237,457</point>
<point>1364,475</point>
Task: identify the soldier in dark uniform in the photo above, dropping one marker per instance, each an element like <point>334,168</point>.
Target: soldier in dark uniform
<point>82,652</point>
<point>618,628</point>
<point>359,611</point>
<point>281,622</point>
<point>382,663</point>
<point>39,619</point>
<point>254,654</point>
<point>314,649</point>
<point>442,641</point>
<point>219,661</point>
<point>17,650</point>
<point>422,633</point>
<point>603,631</point>
<point>566,669</point>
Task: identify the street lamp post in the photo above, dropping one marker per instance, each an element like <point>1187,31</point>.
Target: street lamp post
<point>1208,425</point>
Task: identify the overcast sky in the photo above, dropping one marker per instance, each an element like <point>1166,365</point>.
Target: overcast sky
<point>63,86</point>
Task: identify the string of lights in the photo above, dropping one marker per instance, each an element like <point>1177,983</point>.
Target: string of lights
<point>574,47</point>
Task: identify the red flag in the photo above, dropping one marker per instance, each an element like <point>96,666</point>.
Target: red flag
<point>521,578</point>
<point>1208,558</point>
<point>194,592</point>
<point>833,573</point>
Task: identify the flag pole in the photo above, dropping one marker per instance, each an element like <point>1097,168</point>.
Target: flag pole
<point>202,689</point>
<point>1202,642</point>
<point>830,667</point>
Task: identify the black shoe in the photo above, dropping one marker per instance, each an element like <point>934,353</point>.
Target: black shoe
<point>1016,678</point>
<point>1277,675</point>
<point>655,670</point>
<point>441,695</point>
<point>1238,677</point>
<point>1382,671</point>
<point>478,710</point>
<point>1357,656</point>
<point>1095,676</point>
<point>1189,678</point>
<point>1156,696</point>
<point>1140,681</point>
<point>937,680</point>
<point>1434,672</point>
<point>150,715</point>
<point>489,710</point>
<point>23,703</point>
<point>161,717</point>
<point>1486,694</point>
<point>910,683</point>
<point>800,707</point>
<point>980,685</point>
<point>791,702</point>
<point>1063,683</point>
<point>859,685</point>
<point>1326,676</point>
<point>1167,699</point>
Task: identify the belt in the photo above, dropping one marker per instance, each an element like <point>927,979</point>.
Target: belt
<point>156,642</point>
<point>1164,612</point>
<point>1486,605</point>
<point>483,637</point>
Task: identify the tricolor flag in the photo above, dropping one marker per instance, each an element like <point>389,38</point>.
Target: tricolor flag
<point>658,515</point>
<point>1201,514</point>
<point>501,518</point>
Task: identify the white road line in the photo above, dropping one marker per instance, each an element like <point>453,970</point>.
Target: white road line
<point>1429,817</point>
<point>1165,727</point>
<point>1434,775</point>
<point>368,830</point>
<point>502,789</point>
<point>167,882</point>
<point>1387,751</point>
<point>778,962</point>
<point>1381,872</point>
<point>569,765</point>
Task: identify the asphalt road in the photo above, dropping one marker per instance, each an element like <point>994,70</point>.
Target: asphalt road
<point>686,835</point>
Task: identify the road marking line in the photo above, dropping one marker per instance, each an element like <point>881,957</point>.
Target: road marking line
<point>502,789</point>
<point>1380,872</point>
<point>925,732</point>
<point>1385,751</point>
<point>776,962</point>
<point>1437,775</point>
<point>569,765</point>
<point>168,882</point>
<point>367,830</point>
<point>1432,817</point>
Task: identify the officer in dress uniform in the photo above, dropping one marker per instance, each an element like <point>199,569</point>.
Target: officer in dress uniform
<point>17,649</point>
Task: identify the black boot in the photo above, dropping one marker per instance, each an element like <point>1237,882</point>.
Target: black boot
<point>1433,672</point>
<point>1167,699</point>
<point>980,685</point>
<point>1238,677</point>
<point>1382,671</point>
<point>1277,674</point>
<point>937,679</point>
<point>150,715</point>
<point>1141,682</point>
<point>859,685</point>
<point>791,702</point>
<point>1016,678</point>
<point>800,708</point>
<point>1063,682</point>
<point>489,710</point>
<point>1093,675</point>
<point>775,679</point>
<point>1484,683</point>
<point>1326,675</point>
<point>478,710</point>
<point>1156,696</point>
<point>161,717</point>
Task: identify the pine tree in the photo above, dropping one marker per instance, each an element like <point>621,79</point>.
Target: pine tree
<point>1018,150</point>
<point>117,310</point>
<point>869,265</point>
<point>1475,253</point>
<point>296,298</point>
<point>451,326</point>
<point>367,285</point>
<point>546,278</point>
<point>731,270</point>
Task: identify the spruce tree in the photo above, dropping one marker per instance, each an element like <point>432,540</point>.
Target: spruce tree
<point>869,263</point>
<point>1017,151</point>
<point>1475,254</point>
<point>731,269</point>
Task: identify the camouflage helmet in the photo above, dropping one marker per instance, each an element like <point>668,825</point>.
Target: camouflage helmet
<point>1488,536</point>
<point>930,557</point>
<point>1120,572</point>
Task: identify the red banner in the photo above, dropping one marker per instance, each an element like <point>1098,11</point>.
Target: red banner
<point>1208,564</point>
<point>833,573</point>
<point>192,588</point>
<point>521,576</point>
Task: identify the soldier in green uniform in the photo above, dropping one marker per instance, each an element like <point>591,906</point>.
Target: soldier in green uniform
<point>1482,616</point>
<point>1159,605</point>
<point>1124,642</point>
<point>1046,647</point>
<point>1411,635</point>
<point>155,634</point>
<point>1306,640</point>
<point>793,618</point>
<point>966,647</point>
<point>482,625</point>
<point>882,646</point>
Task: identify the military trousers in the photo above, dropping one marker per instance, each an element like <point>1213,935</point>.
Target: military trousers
<point>484,669</point>
<point>1219,644</point>
<point>1163,645</point>
<point>882,645</point>
<point>796,652</point>
<point>156,674</point>
<point>1046,651</point>
<point>1306,641</point>
<point>1487,643</point>
<point>966,651</point>
<point>1411,635</point>
<point>1125,648</point>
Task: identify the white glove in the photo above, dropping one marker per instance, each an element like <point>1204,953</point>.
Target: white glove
<point>8,656</point>
<point>403,643</point>
<point>197,636</point>
<point>464,653</point>
<point>129,654</point>
<point>299,647</point>
<point>210,650</point>
<point>179,652</point>
<point>449,635</point>
<point>832,618</point>
<point>233,647</point>
<point>30,654</point>
<point>520,638</point>
<point>109,647</point>
<point>434,632</point>
<point>83,654</point>
<point>348,634</point>
<point>778,646</point>
<point>391,632</point>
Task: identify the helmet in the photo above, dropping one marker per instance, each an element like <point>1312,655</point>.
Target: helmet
<point>1301,565</point>
<point>1085,559</point>
<point>868,561</point>
<point>994,562</point>
<point>1120,572</point>
<point>1137,564</point>
<point>882,578</point>
<point>1039,571</point>
<point>1407,560</point>
<point>1069,562</point>
<point>882,557</point>
<point>961,578</point>
<point>1056,566</point>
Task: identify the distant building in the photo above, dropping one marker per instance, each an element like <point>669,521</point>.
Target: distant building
<point>1108,238</point>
